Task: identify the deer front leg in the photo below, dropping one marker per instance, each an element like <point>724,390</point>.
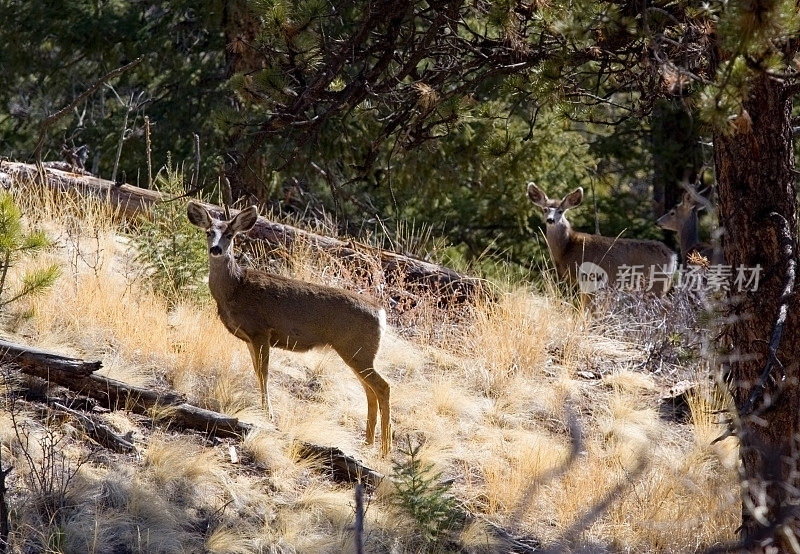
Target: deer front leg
<point>259,352</point>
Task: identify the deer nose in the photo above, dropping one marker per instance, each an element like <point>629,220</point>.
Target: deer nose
<point>551,220</point>
<point>215,250</point>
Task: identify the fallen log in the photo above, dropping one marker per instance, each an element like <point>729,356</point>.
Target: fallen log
<point>162,406</point>
<point>408,272</point>
<point>78,376</point>
<point>72,374</point>
<point>339,466</point>
<point>43,361</point>
<point>131,201</point>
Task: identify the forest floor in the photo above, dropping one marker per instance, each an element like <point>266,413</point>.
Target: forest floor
<point>495,397</point>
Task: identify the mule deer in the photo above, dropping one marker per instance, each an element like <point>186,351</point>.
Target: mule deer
<point>682,219</point>
<point>570,249</point>
<point>266,310</point>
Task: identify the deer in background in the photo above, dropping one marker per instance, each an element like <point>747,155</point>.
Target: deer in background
<point>682,219</point>
<point>569,249</point>
<point>266,310</point>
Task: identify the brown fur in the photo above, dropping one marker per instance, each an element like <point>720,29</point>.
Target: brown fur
<point>683,220</point>
<point>266,310</point>
<point>570,248</point>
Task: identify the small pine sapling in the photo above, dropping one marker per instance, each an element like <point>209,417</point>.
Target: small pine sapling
<point>426,498</point>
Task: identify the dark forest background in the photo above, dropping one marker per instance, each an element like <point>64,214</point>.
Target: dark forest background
<point>382,117</point>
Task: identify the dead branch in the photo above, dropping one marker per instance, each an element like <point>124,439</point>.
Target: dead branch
<point>99,432</point>
<point>51,119</point>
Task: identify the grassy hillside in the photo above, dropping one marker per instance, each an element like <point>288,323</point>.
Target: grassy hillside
<point>488,396</point>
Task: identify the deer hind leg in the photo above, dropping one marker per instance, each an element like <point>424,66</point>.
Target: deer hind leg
<point>259,353</point>
<point>372,410</point>
<point>363,365</point>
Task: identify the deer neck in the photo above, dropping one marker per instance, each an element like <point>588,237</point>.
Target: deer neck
<point>558,236</point>
<point>224,275</point>
<point>688,236</point>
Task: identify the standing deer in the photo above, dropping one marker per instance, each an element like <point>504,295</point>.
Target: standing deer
<point>570,249</point>
<point>683,220</point>
<point>267,310</point>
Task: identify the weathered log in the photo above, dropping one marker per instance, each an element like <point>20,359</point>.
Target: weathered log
<point>129,200</point>
<point>77,375</point>
<point>339,465</point>
<point>214,423</point>
<point>43,361</point>
<point>406,271</point>
<point>412,273</point>
<point>71,373</point>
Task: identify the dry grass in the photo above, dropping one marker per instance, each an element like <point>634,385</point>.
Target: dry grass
<point>488,393</point>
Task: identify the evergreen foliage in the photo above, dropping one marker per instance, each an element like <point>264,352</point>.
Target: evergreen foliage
<point>15,243</point>
<point>420,121</point>
<point>422,494</point>
<point>436,113</point>
<point>172,255</point>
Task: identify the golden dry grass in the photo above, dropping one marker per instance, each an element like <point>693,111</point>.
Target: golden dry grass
<point>490,401</point>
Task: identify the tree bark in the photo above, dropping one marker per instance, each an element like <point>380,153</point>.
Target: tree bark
<point>755,176</point>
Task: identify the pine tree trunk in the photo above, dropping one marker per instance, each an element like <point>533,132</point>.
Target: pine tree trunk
<point>755,176</point>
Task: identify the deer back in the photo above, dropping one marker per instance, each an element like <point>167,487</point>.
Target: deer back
<point>612,253</point>
<point>299,315</point>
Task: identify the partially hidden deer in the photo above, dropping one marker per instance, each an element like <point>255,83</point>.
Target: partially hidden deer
<point>266,310</point>
<point>570,250</point>
<point>683,220</point>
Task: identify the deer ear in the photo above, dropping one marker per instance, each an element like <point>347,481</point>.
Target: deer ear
<point>198,215</point>
<point>687,199</point>
<point>244,220</point>
<point>573,199</point>
<point>537,195</point>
